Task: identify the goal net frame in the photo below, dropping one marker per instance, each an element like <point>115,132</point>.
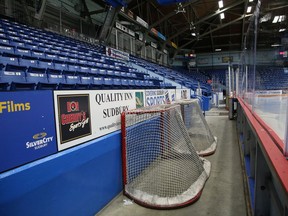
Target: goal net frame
<point>204,141</point>
<point>186,196</point>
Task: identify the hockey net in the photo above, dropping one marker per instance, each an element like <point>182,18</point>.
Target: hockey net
<point>161,168</point>
<point>201,136</point>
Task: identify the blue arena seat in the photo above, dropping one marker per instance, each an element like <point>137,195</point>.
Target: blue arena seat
<point>26,40</point>
<point>124,74</point>
<point>72,68</point>
<point>142,83</point>
<point>12,37</point>
<point>14,78</point>
<point>55,51</point>
<point>45,64</point>
<point>91,63</point>
<point>56,77</point>
<point>117,67</point>
<point>72,79</point>
<point>105,66</point>
<point>148,84</point>
<point>132,84</point>
<point>87,80</point>
<point>51,56</point>
<point>110,73</point>
<point>41,81</point>
<point>102,72</point>
<point>4,48</point>
<point>117,74</point>
<point>22,51</point>
<point>125,84</point>
<point>8,59</point>
<point>73,55</point>
<point>99,65</point>
<point>4,40</point>
<point>44,49</point>
<point>60,80</point>
<point>17,43</point>
<point>132,75</point>
<point>28,62</point>
<point>117,83</point>
<point>97,83</point>
<point>31,46</point>
<point>84,70</point>
<point>108,83</point>
<point>76,80</point>
<point>37,54</point>
<point>111,67</point>
<point>82,62</point>
<point>72,60</point>
<point>60,66</point>
<point>94,71</point>
<point>4,86</point>
<point>36,70</point>
<point>138,84</point>
<point>62,58</point>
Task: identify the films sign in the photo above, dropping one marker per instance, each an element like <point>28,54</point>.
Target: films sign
<point>27,127</point>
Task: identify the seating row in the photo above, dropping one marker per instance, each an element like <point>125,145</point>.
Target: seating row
<point>11,80</point>
<point>31,58</point>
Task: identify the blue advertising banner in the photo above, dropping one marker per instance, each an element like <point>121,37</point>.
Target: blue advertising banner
<point>27,127</point>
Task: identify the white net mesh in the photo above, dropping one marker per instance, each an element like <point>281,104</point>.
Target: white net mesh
<point>161,167</point>
<point>198,129</point>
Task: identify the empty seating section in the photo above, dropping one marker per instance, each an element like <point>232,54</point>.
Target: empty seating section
<point>31,58</point>
<point>218,75</point>
<point>272,78</point>
<point>175,75</point>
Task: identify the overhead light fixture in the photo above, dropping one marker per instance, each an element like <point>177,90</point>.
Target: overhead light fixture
<point>249,9</point>
<point>222,16</point>
<point>282,18</point>
<point>282,30</point>
<point>275,20</point>
<point>266,17</point>
<point>250,0</point>
<point>220,4</point>
<point>193,34</point>
<point>218,50</point>
<point>275,45</point>
<point>180,9</point>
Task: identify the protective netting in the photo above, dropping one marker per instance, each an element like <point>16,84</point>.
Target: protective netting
<point>161,168</point>
<point>197,127</point>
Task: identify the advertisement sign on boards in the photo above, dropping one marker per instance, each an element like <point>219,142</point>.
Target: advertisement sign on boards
<point>27,127</point>
<point>74,117</point>
<point>159,96</point>
<point>182,94</point>
<point>83,117</point>
<point>106,109</point>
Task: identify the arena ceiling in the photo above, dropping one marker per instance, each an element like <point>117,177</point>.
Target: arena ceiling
<point>197,25</point>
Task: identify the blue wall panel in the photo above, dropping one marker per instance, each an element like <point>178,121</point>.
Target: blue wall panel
<point>27,127</point>
<point>78,181</point>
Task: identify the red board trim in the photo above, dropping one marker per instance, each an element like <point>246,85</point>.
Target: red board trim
<point>271,144</point>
